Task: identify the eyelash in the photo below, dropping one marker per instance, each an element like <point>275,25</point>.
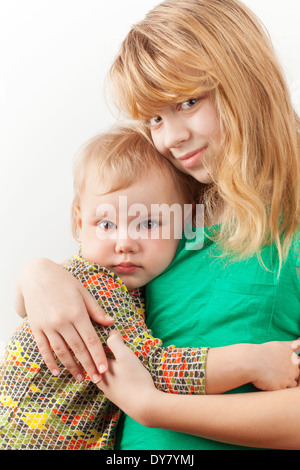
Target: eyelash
<point>106,222</point>
<point>152,222</point>
<point>155,123</point>
<point>188,101</point>
<point>180,105</point>
<point>113,225</point>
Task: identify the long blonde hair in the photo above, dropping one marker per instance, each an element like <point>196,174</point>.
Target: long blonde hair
<point>186,47</point>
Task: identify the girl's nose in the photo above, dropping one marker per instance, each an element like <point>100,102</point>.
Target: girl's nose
<point>176,132</point>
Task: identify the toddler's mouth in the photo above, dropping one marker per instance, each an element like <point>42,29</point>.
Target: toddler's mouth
<point>126,268</point>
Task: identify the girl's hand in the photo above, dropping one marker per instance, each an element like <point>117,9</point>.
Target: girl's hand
<point>59,310</point>
<point>127,383</point>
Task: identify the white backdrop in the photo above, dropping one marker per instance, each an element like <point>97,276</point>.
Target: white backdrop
<point>54,56</point>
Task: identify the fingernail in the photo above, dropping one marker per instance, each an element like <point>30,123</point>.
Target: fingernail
<point>108,317</point>
<point>96,378</point>
<point>55,372</point>
<point>102,368</point>
<point>80,378</point>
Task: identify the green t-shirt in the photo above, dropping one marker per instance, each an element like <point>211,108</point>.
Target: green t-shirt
<point>204,300</point>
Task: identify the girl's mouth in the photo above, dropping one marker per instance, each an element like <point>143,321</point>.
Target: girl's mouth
<point>191,159</point>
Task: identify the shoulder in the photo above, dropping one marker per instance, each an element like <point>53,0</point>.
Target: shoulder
<point>91,274</point>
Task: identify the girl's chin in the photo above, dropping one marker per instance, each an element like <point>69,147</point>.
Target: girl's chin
<point>202,176</point>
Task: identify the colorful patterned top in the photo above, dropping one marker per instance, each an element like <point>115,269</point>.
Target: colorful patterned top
<point>43,412</point>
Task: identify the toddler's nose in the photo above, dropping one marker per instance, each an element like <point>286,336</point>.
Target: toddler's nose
<point>126,245</point>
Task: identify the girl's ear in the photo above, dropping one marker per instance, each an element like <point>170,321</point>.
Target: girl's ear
<point>78,220</point>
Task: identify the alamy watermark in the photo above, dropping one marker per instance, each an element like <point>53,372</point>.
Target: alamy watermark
<point>160,221</point>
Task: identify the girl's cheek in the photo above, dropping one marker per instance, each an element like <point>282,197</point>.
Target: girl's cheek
<point>158,142</point>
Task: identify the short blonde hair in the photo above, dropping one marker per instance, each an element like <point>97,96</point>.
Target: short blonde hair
<point>187,47</point>
<point>119,157</point>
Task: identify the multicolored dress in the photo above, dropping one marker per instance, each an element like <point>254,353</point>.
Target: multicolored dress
<point>39,411</point>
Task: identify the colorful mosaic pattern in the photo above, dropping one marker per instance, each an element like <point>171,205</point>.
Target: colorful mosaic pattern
<point>42,412</point>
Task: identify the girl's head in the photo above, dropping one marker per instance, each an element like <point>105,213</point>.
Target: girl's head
<point>184,49</point>
<point>128,209</point>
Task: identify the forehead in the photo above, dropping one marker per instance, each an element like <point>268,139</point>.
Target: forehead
<point>154,186</point>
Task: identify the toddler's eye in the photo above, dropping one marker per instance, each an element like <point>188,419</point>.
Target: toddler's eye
<point>155,121</point>
<point>189,103</point>
<point>106,225</point>
<point>149,224</point>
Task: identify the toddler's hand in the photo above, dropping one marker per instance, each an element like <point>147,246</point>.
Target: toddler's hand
<point>278,366</point>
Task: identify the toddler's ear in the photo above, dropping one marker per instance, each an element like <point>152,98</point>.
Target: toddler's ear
<point>77,219</point>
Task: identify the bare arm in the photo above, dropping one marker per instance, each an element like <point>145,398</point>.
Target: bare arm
<point>59,310</point>
<point>262,419</point>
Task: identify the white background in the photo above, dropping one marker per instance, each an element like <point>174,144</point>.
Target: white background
<point>54,56</point>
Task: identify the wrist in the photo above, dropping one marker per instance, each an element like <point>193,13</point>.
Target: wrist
<point>28,277</point>
<point>34,266</point>
<point>34,273</point>
<point>150,408</point>
<point>230,367</point>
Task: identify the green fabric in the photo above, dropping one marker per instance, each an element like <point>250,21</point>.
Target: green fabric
<point>203,300</point>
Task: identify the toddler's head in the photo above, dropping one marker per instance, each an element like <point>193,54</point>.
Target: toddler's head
<point>128,206</point>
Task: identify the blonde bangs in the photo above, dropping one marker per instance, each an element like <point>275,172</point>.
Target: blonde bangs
<point>146,90</point>
<point>150,72</point>
<point>165,59</point>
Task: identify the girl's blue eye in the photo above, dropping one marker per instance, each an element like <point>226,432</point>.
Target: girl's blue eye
<point>149,224</point>
<point>106,225</point>
<point>155,121</point>
<point>189,103</point>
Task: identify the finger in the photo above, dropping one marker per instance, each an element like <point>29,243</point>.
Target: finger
<point>79,346</point>
<point>116,344</point>
<point>64,354</point>
<point>106,379</point>
<point>88,350</point>
<point>46,353</point>
<point>82,338</point>
<point>295,345</point>
<point>115,332</point>
<point>293,384</point>
<point>296,358</point>
<point>94,310</point>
